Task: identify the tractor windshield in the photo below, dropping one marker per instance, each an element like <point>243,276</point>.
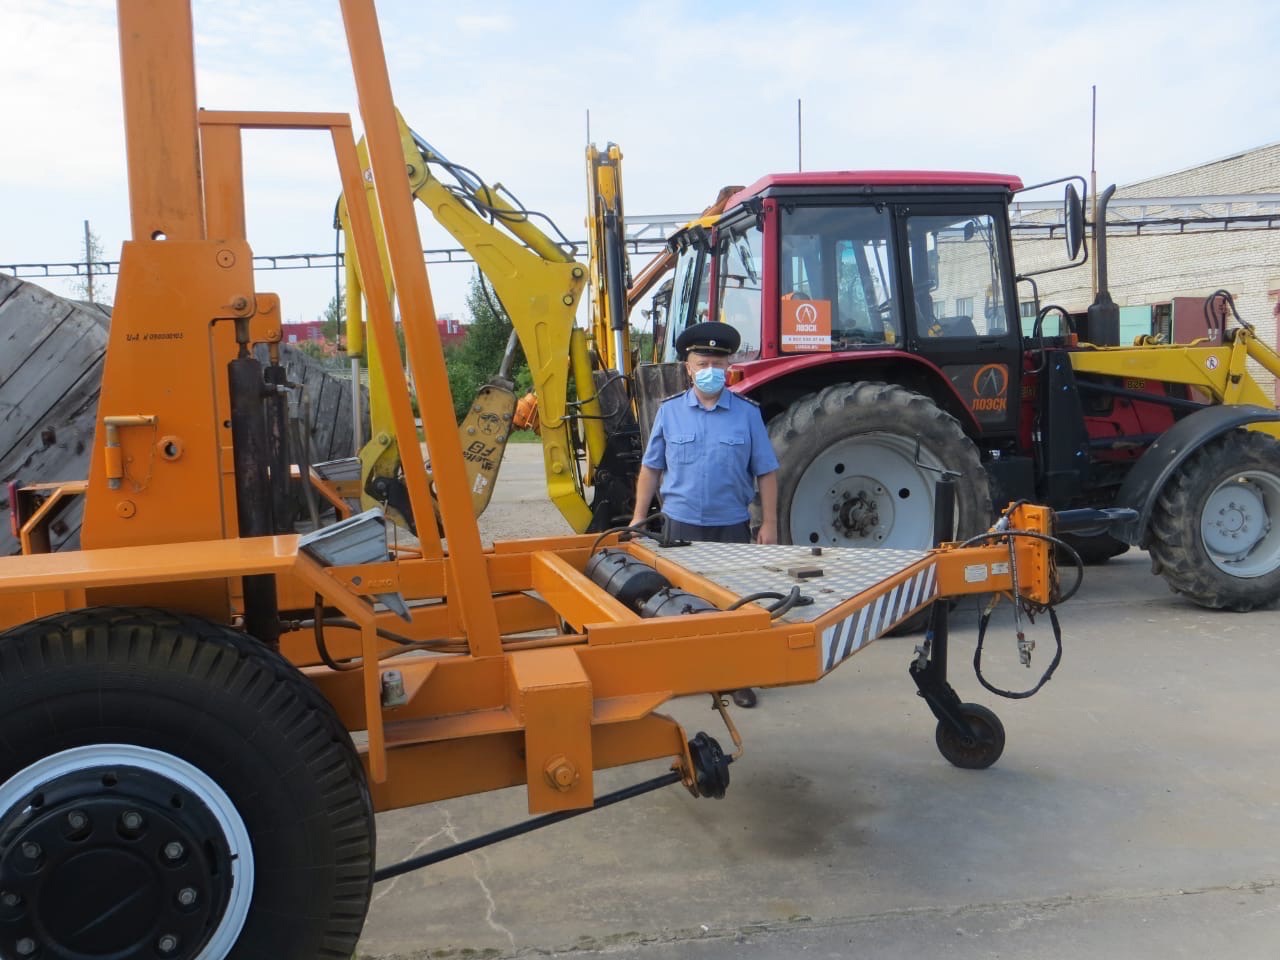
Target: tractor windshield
<point>837,282</point>
<point>690,295</point>
<point>740,285</point>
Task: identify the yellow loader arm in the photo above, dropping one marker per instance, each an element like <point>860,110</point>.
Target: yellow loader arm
<point>540,286</point>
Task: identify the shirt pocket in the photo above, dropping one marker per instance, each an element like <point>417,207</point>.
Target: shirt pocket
<point>731,451</point>
<point>682,448</point>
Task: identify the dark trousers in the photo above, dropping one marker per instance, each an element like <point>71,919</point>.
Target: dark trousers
<point>728,533</point>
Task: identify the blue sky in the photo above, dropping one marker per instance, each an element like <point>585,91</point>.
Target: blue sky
<point>697,94</point>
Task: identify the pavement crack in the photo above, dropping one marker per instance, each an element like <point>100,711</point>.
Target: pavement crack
<point>474,859</point>
<point>388,887</point>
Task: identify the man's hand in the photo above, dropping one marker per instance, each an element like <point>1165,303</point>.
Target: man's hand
<point>768,484</point>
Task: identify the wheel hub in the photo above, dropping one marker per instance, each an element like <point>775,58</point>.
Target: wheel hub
<point>1235,520</point>
<point>110,862</point>
<point>862,509</point>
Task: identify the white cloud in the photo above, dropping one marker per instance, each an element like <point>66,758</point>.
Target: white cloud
<point>698,95</point>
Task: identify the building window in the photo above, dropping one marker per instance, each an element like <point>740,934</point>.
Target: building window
<point>964,307</point>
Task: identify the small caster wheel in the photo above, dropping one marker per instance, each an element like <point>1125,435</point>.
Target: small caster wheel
<point>981,748</point>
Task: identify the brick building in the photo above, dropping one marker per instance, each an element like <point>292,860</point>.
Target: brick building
<point>452,331</point>
<point>1151,267</point>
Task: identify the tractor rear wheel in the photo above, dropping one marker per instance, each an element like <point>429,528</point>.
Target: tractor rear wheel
<point>171,788</point>
<point>1215,530</point>
<point>849,474</point>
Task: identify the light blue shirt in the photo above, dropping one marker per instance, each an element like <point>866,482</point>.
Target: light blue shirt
<point>709,458</point>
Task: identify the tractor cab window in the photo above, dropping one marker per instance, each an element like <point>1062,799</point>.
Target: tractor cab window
<point>957,276</point>
<point>739,274</point>
<point>837,279</point>
<point>690,296</point>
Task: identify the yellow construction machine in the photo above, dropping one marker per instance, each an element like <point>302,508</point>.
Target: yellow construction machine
<point>201,711</point>
<point>581,404</point>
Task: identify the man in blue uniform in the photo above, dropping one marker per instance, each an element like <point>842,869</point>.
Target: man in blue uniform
<point>709,450</point>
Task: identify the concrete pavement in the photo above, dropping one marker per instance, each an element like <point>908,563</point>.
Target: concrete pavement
<point>1134,814</point>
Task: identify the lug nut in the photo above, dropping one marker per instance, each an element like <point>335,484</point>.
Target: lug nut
<point>77,820</point>
<point>31,850</point>
<point>10,899</point>
<point>187,896</point>
<point>173,850</point>
<point>132,820</point>
<point>167,943</point>
<point>26,946</point>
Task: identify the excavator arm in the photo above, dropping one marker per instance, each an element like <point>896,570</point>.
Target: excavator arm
<point>539,285</point>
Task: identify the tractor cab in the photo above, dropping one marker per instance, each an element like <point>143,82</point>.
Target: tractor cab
<point>824,269</point>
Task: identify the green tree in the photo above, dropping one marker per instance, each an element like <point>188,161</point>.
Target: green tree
<point>475,361</point>
<point>334,318</point>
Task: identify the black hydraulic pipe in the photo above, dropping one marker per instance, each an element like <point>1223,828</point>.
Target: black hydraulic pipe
<point>277,413</point>
<point>253,492</point>
<point>617,291</point>
<point>1138,396</point>
<point>506,833</point>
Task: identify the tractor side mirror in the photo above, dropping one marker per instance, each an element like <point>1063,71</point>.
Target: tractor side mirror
<point>1073,218</point>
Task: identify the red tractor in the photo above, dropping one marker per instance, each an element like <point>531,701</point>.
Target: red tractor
<point>883,338</point>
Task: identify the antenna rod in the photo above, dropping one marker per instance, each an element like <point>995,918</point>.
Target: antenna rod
<point>799,137</point>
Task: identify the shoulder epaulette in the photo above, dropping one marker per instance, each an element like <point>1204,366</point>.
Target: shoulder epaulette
<point>747,399</point>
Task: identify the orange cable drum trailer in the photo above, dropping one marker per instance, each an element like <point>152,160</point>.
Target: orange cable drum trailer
<point>178,775</point>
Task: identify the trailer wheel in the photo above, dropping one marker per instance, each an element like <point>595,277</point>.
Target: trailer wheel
<point>1215,530</point>
<point>849,476</point>
<point>170,788</point>
<point>981,747</point>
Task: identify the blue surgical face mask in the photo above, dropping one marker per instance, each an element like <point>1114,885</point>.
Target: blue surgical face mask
<point>709,380</point>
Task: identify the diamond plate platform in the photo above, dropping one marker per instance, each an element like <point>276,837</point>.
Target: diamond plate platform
<point>747,568</point>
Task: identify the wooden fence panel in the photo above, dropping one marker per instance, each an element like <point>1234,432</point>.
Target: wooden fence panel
<point>52,352</point>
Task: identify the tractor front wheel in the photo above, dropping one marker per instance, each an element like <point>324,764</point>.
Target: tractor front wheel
<point>1215,530</point>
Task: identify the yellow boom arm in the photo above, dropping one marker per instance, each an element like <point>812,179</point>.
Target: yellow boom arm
<point>538,283</point>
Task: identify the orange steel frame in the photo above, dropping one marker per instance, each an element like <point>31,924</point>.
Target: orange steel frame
<point>498,708</point>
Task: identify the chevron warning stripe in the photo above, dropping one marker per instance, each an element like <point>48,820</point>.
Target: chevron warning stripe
<point>841,640</point>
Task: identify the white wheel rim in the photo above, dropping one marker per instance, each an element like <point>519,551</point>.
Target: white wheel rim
<point>190,778</point>
<point>1236,526</point>
<point>866,491</point>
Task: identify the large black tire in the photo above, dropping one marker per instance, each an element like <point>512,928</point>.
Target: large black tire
<point>1215,530</point>
<point>848,477</point>
<point>166,782</point>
